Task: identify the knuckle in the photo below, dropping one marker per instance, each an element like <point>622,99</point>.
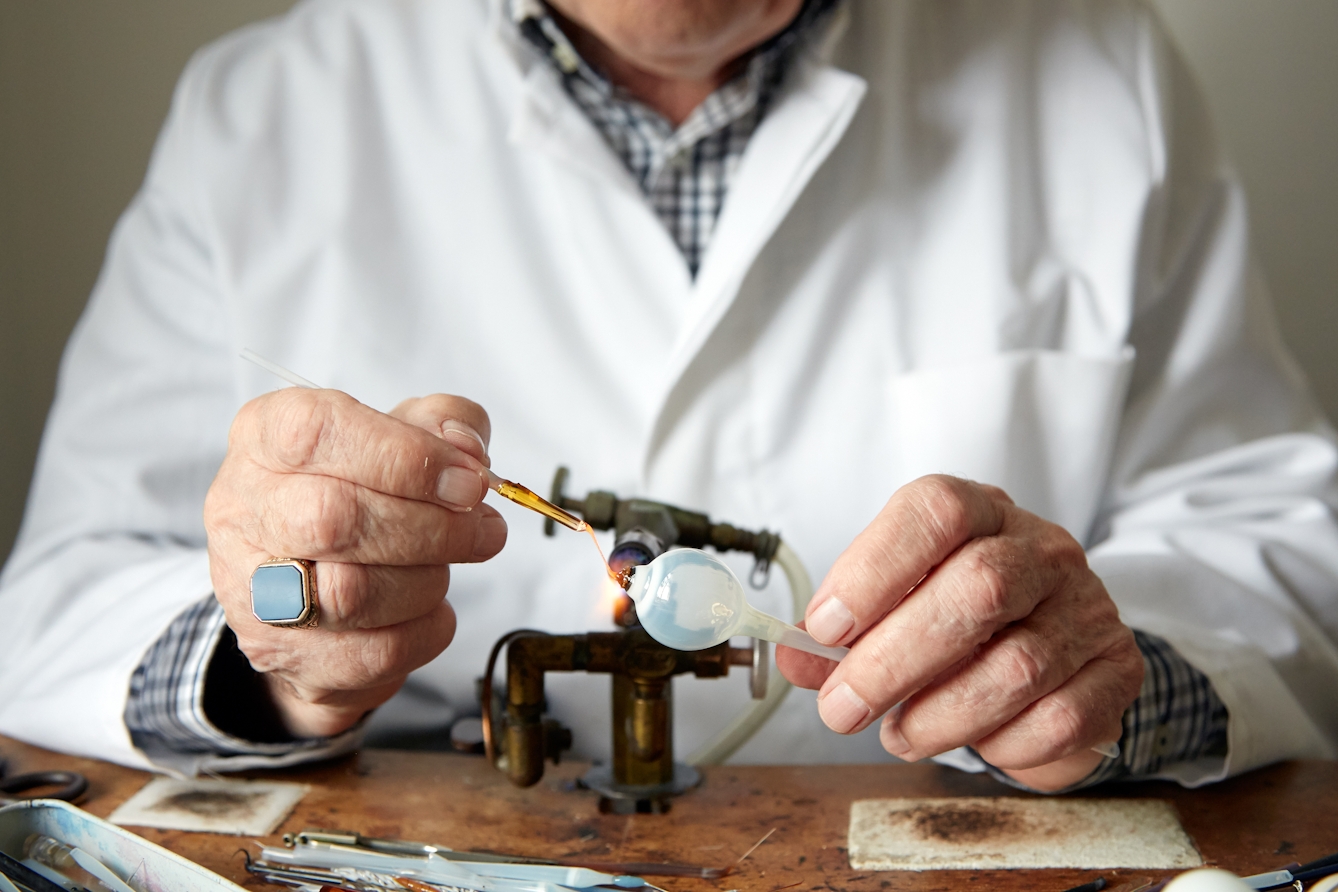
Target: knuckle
<point>1114,640</point>
<point>1057,548</point>
<point>878,673</point>
<point>407,408</point>
<point>1129,667</point>
<point>343,595</point>
<point>246,422</point>
<point>383,655</point>
<point>328,520</point>
<point>991,587</point>
<point>260,651</point>
<point>296,434</point>
<point>944,509</point>
<point>226,502</point>
<point>1067,726</point>
<point>1130,684</point>
<point>418,410</point>
<point>299,425</point>
<point>436,407</point>
<point>216,508</point>
<point>1101,612</point>
<point>1019,669</point>
<point>1110,638</point>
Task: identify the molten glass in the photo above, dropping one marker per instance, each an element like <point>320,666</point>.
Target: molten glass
<point>523,495</point>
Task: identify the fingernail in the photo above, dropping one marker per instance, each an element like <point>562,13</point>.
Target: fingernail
<point>842,709</point>
<point>460,487</point>
<point>490,538</point>
<point>831,622</point>
<point>462,435</point>
<point>890,734</point>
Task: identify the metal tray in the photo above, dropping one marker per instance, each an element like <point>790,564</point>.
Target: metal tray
<point>155,868</point>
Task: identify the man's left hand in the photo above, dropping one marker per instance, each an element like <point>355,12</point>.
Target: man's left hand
<point>984,623</point>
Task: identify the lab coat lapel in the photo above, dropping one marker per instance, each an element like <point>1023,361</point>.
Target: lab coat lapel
<point>546,120</point>
<point>790,145</point>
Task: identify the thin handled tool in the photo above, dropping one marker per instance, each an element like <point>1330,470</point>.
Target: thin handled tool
<point>312,843</point>
<point>350,839</point>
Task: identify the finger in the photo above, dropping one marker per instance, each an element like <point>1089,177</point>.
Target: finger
<point>328,519</point>
<point>325,432</point>
<point>802,669</point>
<point>461,422</point>
<point>1018,666</point>
<point>921,525</point>
<point>1084,711</point>
<point>320,663</point>
<point>359,596</point>
<point>988,584</point>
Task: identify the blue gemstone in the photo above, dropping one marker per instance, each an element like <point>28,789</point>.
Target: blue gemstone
<point>276,593</point>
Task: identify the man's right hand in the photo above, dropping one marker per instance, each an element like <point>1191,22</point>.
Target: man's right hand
<point>383,504</point>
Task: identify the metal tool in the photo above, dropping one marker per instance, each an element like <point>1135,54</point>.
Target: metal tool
<point>434,865</point>
<point>351,839</point>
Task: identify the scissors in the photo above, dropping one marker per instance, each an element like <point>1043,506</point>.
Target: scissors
<point>70,785</point>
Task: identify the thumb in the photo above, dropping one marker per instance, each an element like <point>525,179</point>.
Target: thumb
<point>461,422</point>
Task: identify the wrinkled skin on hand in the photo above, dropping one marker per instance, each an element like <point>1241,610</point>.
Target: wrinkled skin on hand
<point>383,504</point>
<point>971,622</point>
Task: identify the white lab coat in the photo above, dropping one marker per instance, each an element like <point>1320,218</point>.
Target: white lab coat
<point>991,239</point>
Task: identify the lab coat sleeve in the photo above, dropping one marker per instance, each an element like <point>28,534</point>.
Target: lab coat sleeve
<point>112,548</point>
<point>1218,532</point>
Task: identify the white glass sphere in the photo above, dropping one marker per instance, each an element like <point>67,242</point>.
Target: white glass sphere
<point>688,599</point>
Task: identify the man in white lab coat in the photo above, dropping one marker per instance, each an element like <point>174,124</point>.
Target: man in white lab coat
<point>772,259</point>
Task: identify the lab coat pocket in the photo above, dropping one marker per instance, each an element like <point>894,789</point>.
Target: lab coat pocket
<point>1039,424</point>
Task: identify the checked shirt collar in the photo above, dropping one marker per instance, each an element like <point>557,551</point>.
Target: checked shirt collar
<point>684,173</point>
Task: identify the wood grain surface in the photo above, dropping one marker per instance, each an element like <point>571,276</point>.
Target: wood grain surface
<point>1250,824</point>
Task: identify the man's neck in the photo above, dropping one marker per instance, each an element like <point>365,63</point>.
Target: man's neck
<point>672,97</point>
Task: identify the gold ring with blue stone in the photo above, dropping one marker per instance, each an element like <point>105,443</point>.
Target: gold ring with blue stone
<point>283,593</point>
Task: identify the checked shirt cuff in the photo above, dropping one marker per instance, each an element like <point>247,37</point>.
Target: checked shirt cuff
<point>194,674</point>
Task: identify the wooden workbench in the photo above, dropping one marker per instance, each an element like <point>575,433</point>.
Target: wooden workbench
<point>1250,824</point>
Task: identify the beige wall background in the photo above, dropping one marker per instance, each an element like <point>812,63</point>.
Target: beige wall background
<point>84,86</point>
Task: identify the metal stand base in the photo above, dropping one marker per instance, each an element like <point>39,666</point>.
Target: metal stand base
<point>631,799</point>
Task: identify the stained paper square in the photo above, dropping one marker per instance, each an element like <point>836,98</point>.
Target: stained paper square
<point>1012,832</point>
<point>249,808</point>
